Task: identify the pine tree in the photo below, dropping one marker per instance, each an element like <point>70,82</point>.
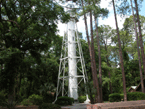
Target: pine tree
<point>138,50</point>
<point>120,54</point>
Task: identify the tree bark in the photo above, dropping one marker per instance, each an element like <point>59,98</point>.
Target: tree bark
<point>140,36</point>
<point>120,54</point>
<point>86,28</point>
<point>99,54</point>
<point>92,56</point>
<point>94,62</point>
<point>136,34</point>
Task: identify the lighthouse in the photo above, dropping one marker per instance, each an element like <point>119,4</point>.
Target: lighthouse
<point>73,83</point>
<point>72,71</point>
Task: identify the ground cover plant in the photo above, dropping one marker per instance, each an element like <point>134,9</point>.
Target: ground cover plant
<point>64,100</point>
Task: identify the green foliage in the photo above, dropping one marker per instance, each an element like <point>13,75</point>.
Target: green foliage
<point>10,104</point>
<point>72,99</point>
<point>129,23</point>
<point>36,99</point>
<point>64,100</point>
<point>122,97</point>
<point>135,96</point>
<point>89,89</point>
<point>49,106</point>
<point>26,102</point>
<point>114,97</point>
<point>81,99</point>
<point>48,98</point>
<point>27,34</point>
<point>2,98</point>
<point>116,80</point>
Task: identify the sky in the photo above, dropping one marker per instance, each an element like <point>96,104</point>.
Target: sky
<point>106,21</point>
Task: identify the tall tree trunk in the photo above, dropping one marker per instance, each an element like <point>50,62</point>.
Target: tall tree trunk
<point>140,69</point>
<point>93,64</point>
<point>99,54</point>
<point>120,54</point>
<point>140,36</point>
<point>86,28</point>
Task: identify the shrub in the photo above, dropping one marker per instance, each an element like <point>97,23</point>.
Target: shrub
<point>10,104</point>
<point>36,99</point>
<point>122,97</point>
<point>72,99</point>
<point>92,99</point>
<point>135,96</point>
<point>26,102</point>
<point>48,98</point>
<point>64,101</point>
<point>130,96</point>
<point>2,99</point>
<point>114,97</point>
<point>81,99</point>
<point>49,106</point>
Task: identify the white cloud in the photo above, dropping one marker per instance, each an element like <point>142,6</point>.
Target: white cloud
<point>81,26</point>
<point>105,4</point>
<point>61,28</point>
<point>111,21</point>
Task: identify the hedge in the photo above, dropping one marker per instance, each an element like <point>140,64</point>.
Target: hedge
<point>116,97</point>
<point>64,100</point>
<point>81,99</point>
<point>36,99</point>
<point>135,96</point>
<point>48,98</point>
<point>26,102</point>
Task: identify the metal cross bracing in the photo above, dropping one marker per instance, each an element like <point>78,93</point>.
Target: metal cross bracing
<point>72,72</point>
<point>63,84</point>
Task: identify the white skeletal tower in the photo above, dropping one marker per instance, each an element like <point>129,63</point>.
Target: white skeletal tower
<point>72,71</point>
